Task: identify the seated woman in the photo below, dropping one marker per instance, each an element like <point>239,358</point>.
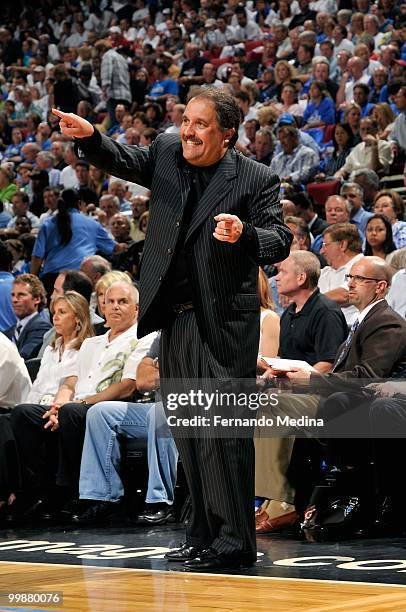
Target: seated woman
<point>269,322</point>
<point>320,110</point>
<point>385,118</point>
<point>72,324</point>
<point>343,139</point>
<point>289,102</point>
<point>378,238</point>
<point>352,116</point>
<point>390,204</point>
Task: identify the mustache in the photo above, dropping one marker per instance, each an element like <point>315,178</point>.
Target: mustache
<point>193,140</point>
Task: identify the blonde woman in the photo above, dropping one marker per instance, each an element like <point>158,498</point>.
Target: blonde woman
<point>72,325</point>
<point>385,118</point>
<point>352,116</point>
<point>269,322</point>
<point>284,73</point>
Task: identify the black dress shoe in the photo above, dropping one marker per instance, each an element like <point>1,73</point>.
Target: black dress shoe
<point>211,560</point>
<point>185,553</point>
<point>161,514</point>
<point>23,511</point>
<point>96,513</point>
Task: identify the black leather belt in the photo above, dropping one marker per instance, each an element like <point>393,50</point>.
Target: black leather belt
<point>179,308</point>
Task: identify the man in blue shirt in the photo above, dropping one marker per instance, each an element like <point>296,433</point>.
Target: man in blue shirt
<point>163,86</point>
<point>7,316</point>
<point>354,194</point>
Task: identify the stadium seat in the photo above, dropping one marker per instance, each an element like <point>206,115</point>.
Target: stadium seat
<point>328,133</point>
<point>321,191</point>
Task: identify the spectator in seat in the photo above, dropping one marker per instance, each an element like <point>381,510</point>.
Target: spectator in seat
<point>295,164</point>
<point>106,370</point>
<point>320,110</point>
<point>305,210</point>
<point>390,204</point>
<point>397,136</point>
<point>100,483</point>
<point>15,384</point>
<point>72,326</point>
<point>368,180</point>
<point>378,238</point>
<point>343,141</point>
<point>342,249</point>
<point>28,298</point>
<point>338,210</point>
<point>359,216</point>
<point>352,116</point>
<point>139,205</point>
<point>371,153</point>
<point>375,348</point>
<point>7,184</point>
<point>312,329</point>
<point>264,146</point>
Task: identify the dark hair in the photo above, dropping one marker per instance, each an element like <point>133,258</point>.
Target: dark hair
<point>23,196</point>
<point>349,132</point>
<point>303,200</point>
<point>227,110</point>
<point>28,241</point>
<point>365,88</point>
<point>6,258</point>
<point>243,96</point>
<point>75,280</point>
<point>150,133</point>
<point>69,199</point>
<point>88,195</point>
<point>388,246</point>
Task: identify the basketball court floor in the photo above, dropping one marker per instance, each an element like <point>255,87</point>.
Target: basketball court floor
<point>122,568</point>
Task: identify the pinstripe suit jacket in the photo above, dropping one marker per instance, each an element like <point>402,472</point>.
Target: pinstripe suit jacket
<point>223,276</point>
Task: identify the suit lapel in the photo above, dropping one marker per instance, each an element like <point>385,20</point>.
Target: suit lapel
<point>26,329</point>
<point>220,185</point>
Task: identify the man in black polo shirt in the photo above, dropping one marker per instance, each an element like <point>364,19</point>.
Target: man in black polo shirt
<point>312,329</point>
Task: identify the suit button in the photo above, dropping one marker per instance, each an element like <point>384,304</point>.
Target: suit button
<point>177,224</point>
<point>160,279</point>
<point>169,251</point>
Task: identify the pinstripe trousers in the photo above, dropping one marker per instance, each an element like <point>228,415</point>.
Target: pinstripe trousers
<point>219,471</point>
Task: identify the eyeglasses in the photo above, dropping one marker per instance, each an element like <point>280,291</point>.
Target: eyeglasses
<point>326,244</point>
<point>358,280</point>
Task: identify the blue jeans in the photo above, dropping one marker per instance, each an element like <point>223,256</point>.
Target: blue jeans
<point>101,457</point>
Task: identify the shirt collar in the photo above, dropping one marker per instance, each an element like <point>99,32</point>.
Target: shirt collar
<point>23,322</point>
<point>364,312</point>
<point>308,305</point>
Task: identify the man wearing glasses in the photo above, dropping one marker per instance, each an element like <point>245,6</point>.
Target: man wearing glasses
<point>376,344</point>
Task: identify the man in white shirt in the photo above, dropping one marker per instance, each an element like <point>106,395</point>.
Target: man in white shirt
<point>246,30</point>
<point>397,293</point>
<point>176,115</point>
<point>15,382</point>
<point>341,248</point>
<point>68,178</point>
<point>372,152</point>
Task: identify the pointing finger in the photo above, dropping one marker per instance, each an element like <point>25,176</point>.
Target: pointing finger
<point>60,114</point>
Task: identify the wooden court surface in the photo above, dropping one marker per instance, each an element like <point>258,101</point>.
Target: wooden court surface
<point>118,590</point>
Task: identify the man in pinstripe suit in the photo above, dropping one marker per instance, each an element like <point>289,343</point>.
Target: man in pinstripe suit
<point>214,217</point>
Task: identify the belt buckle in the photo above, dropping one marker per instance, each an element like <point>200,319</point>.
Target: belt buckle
<point>181,308</point>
